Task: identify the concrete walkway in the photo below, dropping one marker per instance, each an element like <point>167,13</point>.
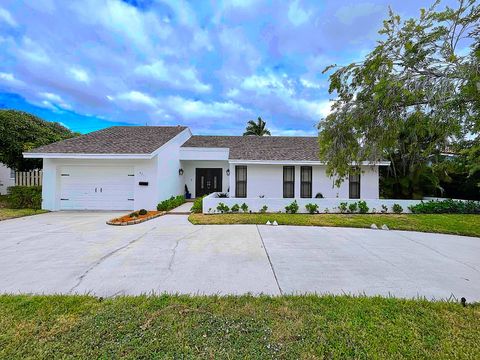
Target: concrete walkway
<point>182,209</point>
<point>76,252</point>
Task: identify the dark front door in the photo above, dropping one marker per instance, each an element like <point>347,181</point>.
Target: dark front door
<point>207,181</point>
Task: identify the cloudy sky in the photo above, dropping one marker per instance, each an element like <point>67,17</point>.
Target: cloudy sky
<point>91,64</point>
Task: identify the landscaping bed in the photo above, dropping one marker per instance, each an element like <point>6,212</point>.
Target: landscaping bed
<point>135,218</point>
<point>208,327</point>
<point>457,224</point>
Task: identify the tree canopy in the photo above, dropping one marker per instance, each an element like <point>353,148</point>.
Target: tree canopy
<point>256,128</point>
<point>20,132</point>
<point>414,94</point>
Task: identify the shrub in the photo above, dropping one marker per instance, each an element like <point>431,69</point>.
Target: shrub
<point>384,209</point>
<point>362,207</point>
<point>244,207</point>
<point>312,208</point>
<point>397,208</point>
<point>235,208</point>
<point>264,209</point>
<point>142,212</point>
<point>446,207</point>
<point>222,208</point>
<point>352,207</point>
<point>343,207</point>
<point>24,197</point>
<point>319,196</point>
<point>133,215</point>
<point>172,203</point>
<point>292,208</point>
<point>198,205</point>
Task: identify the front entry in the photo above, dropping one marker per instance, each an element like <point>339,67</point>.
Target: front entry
<point>207,181</point>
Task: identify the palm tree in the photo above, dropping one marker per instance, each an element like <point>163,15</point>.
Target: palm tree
<point>256,128</point>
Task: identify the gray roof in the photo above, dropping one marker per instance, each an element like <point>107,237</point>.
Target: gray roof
<point>261,147</point>
<point>115,140</point>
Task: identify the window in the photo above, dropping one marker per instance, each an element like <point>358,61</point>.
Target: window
<point>354,186</point>
<point>12,174</point>
<point>240,181</point>
<point>306,182</point>
<point>289,181</point>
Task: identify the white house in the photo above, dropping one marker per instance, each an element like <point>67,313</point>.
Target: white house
<point>7,178</point>
<point>133,167</point>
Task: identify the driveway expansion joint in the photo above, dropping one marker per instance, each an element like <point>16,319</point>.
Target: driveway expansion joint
<point>269,261</point>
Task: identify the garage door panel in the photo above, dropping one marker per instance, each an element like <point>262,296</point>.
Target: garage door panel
<point>97,188</point>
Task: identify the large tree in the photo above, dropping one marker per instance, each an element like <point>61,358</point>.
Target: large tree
<point>256,128</point>
<point>415,94</point>
<point>21,131</point>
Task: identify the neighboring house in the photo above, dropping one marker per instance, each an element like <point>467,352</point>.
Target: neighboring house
<point>133,167</point>
<point>7,178</point>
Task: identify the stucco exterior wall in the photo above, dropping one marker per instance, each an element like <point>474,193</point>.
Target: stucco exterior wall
<point>267,181</point>
<point>5,179</point>
<point>170,183</point>
<point>330,205</point>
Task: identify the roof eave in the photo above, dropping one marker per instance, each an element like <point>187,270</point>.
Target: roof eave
<point>85,156</point>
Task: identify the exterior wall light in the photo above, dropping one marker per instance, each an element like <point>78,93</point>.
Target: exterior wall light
<point>180,172</point>
<point>228,172</point>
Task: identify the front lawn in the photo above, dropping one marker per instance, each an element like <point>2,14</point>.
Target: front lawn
<point>459,224</point>
<point>15,213</point>
<point>6,213</point>
<point>288,327</point>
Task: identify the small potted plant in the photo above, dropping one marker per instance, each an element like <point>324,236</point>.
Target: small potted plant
<point>187,193</point>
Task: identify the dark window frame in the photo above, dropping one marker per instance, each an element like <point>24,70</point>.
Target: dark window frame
<point>288,184</point>
<point>354,188</point>
<point>306,182</point>
<point>241,184</point>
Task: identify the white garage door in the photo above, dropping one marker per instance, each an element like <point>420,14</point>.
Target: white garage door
<point>96,188</point>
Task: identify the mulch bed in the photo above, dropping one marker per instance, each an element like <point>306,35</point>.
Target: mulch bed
<point>127,220</point>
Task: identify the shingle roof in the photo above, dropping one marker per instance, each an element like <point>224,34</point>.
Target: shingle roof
<point>261,147</point>
<point>115,140</point>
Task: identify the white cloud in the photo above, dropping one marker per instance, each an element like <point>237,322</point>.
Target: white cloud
<point>270,83</point>
<point>174,75</point>
<point>298,15</point>
<point>137,97</point>
<point>32,51</point>
<point>6,17</point>
<point>80,75</point>
<point>311,84</point>
<point>198,109</point>
<point>53,101</point>
<point>347,14</point>
<point>9,79</point>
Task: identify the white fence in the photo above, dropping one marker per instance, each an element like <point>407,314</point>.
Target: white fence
<point>330,205</point>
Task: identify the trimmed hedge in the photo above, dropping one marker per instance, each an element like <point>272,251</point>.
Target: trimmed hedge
<point>24,197</point>
<point>446,207</point>
<point>172,203</point>
<point>198,205</point>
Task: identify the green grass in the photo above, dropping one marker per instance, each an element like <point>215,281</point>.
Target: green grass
<point>15,213</point>
<point>459,224</point>
<point>287,327</point>
<point>6,213</point>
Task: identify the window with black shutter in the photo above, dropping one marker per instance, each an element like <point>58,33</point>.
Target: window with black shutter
<point>289,181</point>
<point>354,186</point>
<point>240,181</point>
<point>306,182</point>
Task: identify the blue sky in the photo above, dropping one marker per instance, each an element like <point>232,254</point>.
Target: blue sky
<point>211,65</point>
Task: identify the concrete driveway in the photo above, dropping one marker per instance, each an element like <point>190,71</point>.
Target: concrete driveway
<point>76,252</point>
